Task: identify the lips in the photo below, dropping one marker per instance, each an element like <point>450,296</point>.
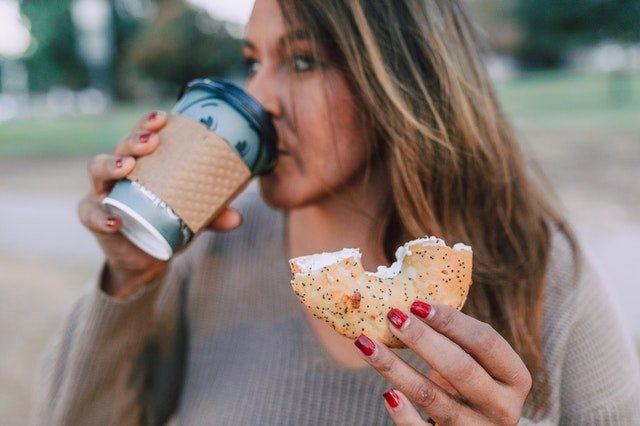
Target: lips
<point>282,145</point>
<point>282,150</point>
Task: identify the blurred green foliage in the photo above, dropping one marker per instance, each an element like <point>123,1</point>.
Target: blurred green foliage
<point>174,48</point>
<point>55,61</point>
<point>179,42</point>
<point>167,49</point>
<point>551,28</point>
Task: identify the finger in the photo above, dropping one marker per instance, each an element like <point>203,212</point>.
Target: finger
<point>143,139</point>
<point>402,412</point>
<point>154,121</point>
<point>428,396</point>
<point>479,340</point>
<point>226,221</point>
<point>97,220</point>
<point>138,143</point>
<point>456,366</point>
<point>104,170</point>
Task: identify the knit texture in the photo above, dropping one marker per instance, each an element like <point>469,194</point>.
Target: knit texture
<point>222,340</point>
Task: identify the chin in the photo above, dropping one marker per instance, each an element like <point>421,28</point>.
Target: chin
<point>276,193</point>
<point>285,194</point>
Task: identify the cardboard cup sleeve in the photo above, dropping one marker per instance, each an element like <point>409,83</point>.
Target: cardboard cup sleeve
<point>193,170</point>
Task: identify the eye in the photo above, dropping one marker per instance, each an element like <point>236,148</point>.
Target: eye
<point>304,63</point>
<point>251,66</point>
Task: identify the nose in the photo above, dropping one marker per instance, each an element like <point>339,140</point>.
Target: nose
<point>265,89</point>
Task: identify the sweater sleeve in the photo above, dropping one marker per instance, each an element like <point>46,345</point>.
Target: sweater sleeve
<point>593,369</point>
<point>117,362</point>
<point>600,382</point>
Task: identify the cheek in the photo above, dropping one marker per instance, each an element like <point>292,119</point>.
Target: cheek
<point>328,149</point>
<point>330,136</point>
<point>284,188</point>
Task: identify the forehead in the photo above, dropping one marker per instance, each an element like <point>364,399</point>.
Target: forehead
<point>266,23</point>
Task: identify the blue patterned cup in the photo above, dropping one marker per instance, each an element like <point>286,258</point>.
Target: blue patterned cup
<point>228,111</point>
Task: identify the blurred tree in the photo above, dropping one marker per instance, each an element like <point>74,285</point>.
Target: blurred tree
<point>553,27</point>
<point>131,17</point>
<point>55,61</point>
<point>165,42</point>
<point>181,44</point>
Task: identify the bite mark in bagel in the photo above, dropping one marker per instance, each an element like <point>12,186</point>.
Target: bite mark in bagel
<point>337,289</point>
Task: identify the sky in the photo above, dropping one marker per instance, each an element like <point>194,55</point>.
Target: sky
<point>14,33</point>
<point>237,11</point>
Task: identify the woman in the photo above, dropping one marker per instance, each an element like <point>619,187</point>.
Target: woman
<point>388,130</point>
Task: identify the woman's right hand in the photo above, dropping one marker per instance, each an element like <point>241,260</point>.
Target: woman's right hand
<point>128,267</point>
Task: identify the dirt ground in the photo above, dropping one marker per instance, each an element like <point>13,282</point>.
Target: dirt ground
<point>46,257</point>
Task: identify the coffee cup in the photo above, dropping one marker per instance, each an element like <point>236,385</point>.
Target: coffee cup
<point>216,139</point>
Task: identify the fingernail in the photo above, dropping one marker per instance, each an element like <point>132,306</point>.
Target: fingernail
<point>392,398</point>
<point>119,162</point>
<point>366,345</point>
<point>155,114</point>
<point>112,222</point>
<point>398,318</point>
<point>144,137</point>
<point>422,309</point>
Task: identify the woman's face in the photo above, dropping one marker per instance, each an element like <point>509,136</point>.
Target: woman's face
<point>320,139</point>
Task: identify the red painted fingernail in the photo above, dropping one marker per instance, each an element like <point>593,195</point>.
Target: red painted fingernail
<point>392,398</point>
<point>119,162</point>
<point>112,222</point>
<point>421,309</point>
<point>152,116</point>
<point>144,137</point>
<point>366,345</point>
<point>397,318</point>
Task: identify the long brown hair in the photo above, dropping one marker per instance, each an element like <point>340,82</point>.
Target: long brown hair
<point>453,161</point>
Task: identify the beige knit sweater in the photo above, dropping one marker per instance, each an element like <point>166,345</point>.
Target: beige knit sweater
<point>222,341</point>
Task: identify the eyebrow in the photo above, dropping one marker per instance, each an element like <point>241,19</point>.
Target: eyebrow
<point>293,36</point>
<point>287,38</point>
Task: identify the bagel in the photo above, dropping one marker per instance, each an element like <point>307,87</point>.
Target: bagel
<point>336,288</point>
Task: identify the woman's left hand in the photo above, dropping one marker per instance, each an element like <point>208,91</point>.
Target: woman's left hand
<point>475,376</point>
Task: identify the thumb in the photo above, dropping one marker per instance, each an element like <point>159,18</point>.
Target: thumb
<point>226,221</point>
